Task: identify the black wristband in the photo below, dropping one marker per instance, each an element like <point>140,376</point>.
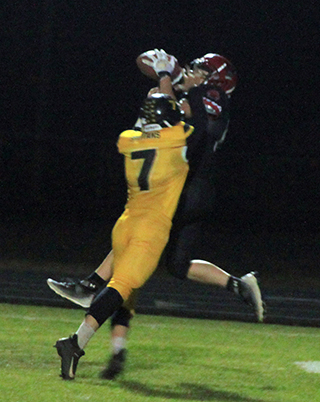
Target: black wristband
<point>162,74</point>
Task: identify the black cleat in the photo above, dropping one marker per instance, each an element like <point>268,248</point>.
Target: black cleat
<point>250,292</point>
<point>115,366</point>
<point>81,293</point>
<point>70,353</point>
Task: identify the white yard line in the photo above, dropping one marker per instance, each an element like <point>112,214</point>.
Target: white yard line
<point>310,367</point>
<point>39,318</point>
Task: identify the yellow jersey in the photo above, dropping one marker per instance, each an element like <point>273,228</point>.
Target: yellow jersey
<point>155,167</point>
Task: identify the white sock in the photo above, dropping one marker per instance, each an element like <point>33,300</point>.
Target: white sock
<point>85,333</point>
<point>118,343</point>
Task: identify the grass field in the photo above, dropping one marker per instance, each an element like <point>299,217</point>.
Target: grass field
<point>170,359</point>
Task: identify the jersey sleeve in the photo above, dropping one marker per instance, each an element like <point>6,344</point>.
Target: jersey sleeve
<point>187,128</point>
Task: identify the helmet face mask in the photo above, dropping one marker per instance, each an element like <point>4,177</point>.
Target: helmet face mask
<point>160,110</point>
<point>203,73</point>
<point>221,71</point>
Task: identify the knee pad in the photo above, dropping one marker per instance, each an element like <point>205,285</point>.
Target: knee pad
<point>105,304</point>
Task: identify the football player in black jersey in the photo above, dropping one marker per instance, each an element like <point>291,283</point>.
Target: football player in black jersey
<point>204,95</point>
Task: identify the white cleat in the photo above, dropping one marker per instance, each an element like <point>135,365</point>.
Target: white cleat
<point>250,292</point>
<point>77,292</point>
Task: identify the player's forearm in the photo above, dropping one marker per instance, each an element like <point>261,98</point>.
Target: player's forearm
<point>165,86</point>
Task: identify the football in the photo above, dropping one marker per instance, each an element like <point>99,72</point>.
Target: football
<point>144,63</point>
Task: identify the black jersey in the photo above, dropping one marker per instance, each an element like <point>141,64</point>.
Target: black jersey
<point>188,239</point>
<point>210,110</point>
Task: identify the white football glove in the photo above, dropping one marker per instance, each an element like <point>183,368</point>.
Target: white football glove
<point>163,62</point>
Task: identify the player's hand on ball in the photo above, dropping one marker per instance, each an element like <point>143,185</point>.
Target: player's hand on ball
<point>163,62</point>
<point>153,62</point>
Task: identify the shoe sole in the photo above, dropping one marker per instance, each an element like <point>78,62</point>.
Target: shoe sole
<point>251,280</point>
<point>84,302</point>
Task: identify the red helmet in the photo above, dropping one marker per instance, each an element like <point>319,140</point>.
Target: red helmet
<point>222,72</point>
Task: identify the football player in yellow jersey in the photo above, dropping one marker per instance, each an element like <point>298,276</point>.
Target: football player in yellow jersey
<point>156,169</point>
<point>210,118</point>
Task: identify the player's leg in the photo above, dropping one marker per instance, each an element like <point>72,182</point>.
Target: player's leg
<point>83,293</point>
<point>246,287</point>
<point>188,242</point>
<point>120,325</point>
<point>116,363</point>
<point>138,245</point>
<point>102,307</point>
<point>206,272</point>
<point>71,349</point>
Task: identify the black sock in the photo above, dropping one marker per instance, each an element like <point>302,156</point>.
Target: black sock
<point>96,280</point>
<point>233,284</point>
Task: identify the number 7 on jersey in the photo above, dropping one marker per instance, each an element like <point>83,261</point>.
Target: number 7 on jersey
<point>148,155</point>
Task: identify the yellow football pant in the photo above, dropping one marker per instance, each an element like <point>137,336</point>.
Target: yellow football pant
<point>138,242</point>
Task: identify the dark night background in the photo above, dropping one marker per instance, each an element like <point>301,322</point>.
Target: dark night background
<point>69,86</point>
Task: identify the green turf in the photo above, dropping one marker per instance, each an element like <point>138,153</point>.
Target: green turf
<point>170,359</point>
